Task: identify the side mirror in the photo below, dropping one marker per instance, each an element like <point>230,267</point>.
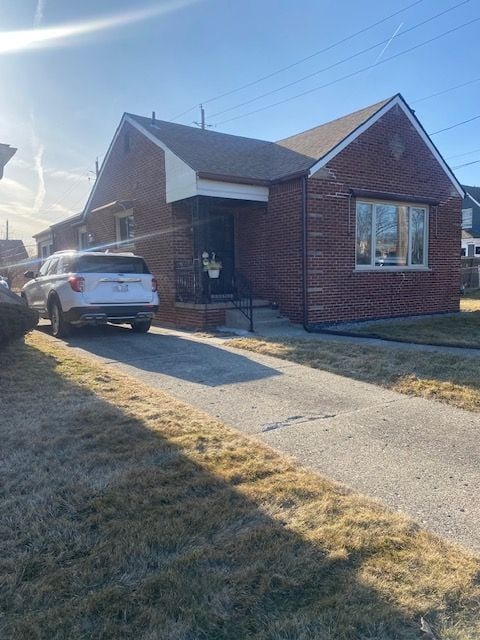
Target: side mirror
<point>29,275</point>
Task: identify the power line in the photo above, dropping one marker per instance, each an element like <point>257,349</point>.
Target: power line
<point>466,164</point>
<point>454,126</point>
<point>467,153</point>
<point>440,93</point>
<point>354,73</point>
<point>339,62</point>
<point>301,60</point>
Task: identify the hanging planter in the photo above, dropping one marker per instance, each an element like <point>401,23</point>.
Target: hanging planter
<point>214,273</point>
<point>211,265</point>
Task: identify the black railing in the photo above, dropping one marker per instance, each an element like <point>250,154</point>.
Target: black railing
<point>194,286</point>
<point>188,284</point>
<point>243,296</point>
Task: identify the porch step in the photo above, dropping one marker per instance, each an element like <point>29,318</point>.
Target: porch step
<point>263,316</point>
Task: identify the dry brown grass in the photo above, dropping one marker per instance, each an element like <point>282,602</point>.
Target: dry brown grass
<point>126,514</point>
<point>471,301</point>
<point>446,378</point>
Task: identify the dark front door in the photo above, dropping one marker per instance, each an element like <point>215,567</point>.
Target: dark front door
<point>220,240</point>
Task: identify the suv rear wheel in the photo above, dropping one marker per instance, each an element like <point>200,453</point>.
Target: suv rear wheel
<point>141,326</point>
<point>60,327</point>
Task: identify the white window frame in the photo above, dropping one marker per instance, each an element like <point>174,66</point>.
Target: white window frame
<point>408,267</point>
<point>119,216</point>
<point>470,213</point>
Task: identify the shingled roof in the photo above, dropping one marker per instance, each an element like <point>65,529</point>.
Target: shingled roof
<point>318,141</point>
<point>212,152</point>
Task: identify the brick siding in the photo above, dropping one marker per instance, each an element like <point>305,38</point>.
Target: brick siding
<point>389,157</point>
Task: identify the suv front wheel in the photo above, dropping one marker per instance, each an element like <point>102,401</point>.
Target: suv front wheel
<point>142,326</point>
<point>60,327</point>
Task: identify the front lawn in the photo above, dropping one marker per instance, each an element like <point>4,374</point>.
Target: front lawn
<point>461,330</point>
<point>126,514</point>
<point>448,378</point>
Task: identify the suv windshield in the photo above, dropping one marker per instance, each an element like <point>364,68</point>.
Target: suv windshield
<point>110,264</point>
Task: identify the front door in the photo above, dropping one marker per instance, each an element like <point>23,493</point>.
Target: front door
<point>220,240</point>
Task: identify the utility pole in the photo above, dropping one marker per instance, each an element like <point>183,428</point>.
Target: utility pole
<point>6,230</point>
<point>202,124</point>
<point>96,167</point>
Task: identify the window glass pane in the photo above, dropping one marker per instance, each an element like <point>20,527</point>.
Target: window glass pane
<point>52,269</point>
<point>391,249</point>
<point>467,218</point>
<point>126,228</point>
<point>44,268</point>
<point>417,221</point>
<point>364,233</point>
<point>477,250</point>
<point>110,263</point>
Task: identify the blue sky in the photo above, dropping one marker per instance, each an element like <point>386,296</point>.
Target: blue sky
<point>62,101</point>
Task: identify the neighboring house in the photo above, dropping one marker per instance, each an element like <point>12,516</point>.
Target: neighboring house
<point>471,222</point>
<point>358,218</point>
<point>6,152</point>
<point>66,234</point>
<point>13,257</point>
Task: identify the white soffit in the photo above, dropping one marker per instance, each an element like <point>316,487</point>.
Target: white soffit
<point>234,190</point>
<point>396,101</point>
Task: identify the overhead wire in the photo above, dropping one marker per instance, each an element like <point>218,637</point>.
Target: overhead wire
<point>339,62</point>
<point>300,61</point>
<point>354,73</point>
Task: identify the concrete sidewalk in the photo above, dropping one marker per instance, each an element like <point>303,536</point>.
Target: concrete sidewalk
<point>416,455</point>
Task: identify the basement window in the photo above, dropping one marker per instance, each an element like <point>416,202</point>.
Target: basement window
<point>391,236</point>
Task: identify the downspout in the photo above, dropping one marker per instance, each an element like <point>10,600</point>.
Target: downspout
<point>304,252</point>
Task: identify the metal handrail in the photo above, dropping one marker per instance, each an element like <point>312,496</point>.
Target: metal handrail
<point>243,296</point>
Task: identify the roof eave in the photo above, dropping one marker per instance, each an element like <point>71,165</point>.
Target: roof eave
<point>229,178</point>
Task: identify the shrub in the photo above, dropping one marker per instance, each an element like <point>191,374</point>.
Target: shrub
<point>15,321</point>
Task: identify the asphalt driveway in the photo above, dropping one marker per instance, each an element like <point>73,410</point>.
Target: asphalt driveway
<point>415,455</point>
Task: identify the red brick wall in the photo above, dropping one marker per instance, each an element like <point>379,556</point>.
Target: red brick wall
<point>388,157</point>
<point>270,248</point>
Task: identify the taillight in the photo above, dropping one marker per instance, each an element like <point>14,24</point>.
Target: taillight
<point>77,284</point>
<point>154,284</point>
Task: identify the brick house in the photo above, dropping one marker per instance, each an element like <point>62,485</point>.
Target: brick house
<point>471,222</point>
<point>358,218</point>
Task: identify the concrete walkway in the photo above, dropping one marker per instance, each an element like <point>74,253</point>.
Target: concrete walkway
<point>416,455</point>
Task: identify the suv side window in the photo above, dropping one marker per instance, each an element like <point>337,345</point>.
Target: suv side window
<point>65,264</point>
<point>52,268</point>
<point>44,268</point>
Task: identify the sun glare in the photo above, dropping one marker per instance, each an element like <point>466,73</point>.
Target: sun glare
<point>13,41</point>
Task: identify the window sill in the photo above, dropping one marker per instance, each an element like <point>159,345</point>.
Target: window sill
<point>390,269</point>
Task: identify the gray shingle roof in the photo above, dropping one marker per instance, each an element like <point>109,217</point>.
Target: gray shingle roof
<point>224,154</point>
<point>12,249</point>
<point>318,141</point>
<point>473,191</point>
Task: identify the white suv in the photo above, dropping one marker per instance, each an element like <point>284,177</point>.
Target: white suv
<point>82,287</point>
